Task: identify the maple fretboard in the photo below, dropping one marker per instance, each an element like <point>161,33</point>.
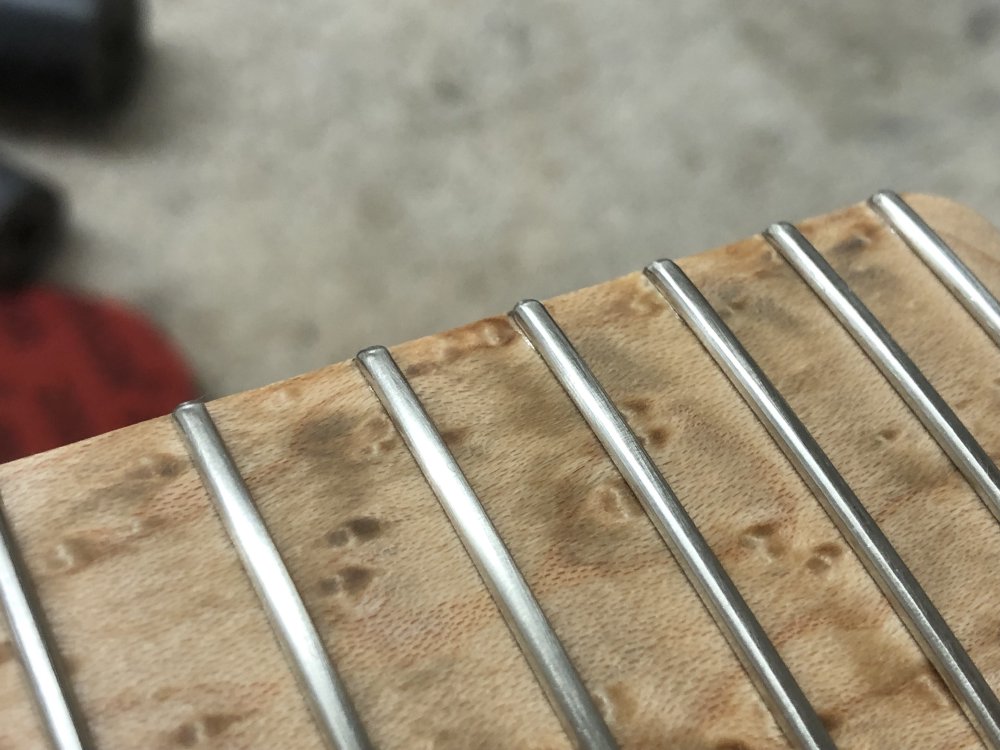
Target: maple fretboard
<point>165,644</point>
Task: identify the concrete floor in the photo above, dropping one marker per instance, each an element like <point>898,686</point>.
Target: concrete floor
<point>292,185</point>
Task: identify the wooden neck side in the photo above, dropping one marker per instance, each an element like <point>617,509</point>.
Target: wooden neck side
<point>168,647</point>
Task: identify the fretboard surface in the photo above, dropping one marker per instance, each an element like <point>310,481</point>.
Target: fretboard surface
<point>167,645</point>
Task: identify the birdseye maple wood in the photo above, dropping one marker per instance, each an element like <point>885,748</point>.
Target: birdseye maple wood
<point>168,647</point>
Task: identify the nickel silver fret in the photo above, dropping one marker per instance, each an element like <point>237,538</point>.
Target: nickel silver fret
<point>768,671</point>
<point>898,584</point>
<point>546,655</point>
<point>941,259</point>
<point>28,632</point>
<point>897,367</point>
<point>327,697</point>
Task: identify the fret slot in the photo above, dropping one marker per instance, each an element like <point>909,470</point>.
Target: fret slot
<point>941,259</point>
<point>914,607</point>
<point>897,367</point>
<point>751,644</point>
<point>33,644</point>
<point>544,652</point>
<point>327,697</point>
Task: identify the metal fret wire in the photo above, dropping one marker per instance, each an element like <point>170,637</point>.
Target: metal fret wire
<point>941,259</point>
<point>327,697</point>
<point>901,372</point>
<point>751,644</point>
<point>898,584</point>
<point>552,666</point>
<point>53,697</point>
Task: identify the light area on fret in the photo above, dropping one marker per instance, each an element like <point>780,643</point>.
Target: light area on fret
<point>528,623</point>
<point>765,666</point>
<point>53,697</point>
<point>941,259</point>
<point>897,367</point>
<point>928,628</point>
<point>326,695</point>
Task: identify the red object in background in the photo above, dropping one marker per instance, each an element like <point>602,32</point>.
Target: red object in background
<point>73,367</point>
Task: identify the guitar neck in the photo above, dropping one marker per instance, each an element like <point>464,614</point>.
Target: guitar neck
<point>166,645</point>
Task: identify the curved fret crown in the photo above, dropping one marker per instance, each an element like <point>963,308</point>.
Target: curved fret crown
<point>941,259</point>
<point>527,622</point>
<point>751,644</point>
<point>27,626</point>
<point>939,419</point>
<point>590,715</point>
<point>884,564</point>
<point>326,694</point>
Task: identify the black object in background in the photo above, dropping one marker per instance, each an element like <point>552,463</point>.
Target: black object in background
<point>77,54</point>
<point>31,226</point>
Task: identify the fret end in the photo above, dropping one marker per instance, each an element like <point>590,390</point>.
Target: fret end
<point>189,407</point>
<point>526,311</point>
<point>665,275</point>
<point>525,303</point>
<point>661,266</point>
<point>883,199</point>
<point>371,354</point>
<point>782,233</point>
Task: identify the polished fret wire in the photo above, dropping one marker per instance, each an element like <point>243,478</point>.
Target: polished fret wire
<point>327,697</point>
<point>898,584</point>
<point>31,641</point>
<point>897,367</point>
<point>552,666</point>
<point>941,259</point>
<point>751,644</point>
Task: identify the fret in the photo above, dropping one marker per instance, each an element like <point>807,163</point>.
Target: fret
<point>900,587</point>
<point>164,641</point>
<point>538,641</point>
<point>406,619</point>
<point>52,692</point>
<point>897,367</point>
<point>327,696</point>
<point>738,623</point>
<point>167,647</point>
<point>647,649</point>
<point>941,259</point>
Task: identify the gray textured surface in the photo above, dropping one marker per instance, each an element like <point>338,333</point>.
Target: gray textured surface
<point>298,181</point>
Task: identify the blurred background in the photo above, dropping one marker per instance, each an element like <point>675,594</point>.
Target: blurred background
<point>295,181</point>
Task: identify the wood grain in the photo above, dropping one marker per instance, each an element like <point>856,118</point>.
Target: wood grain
<point>168,647</point>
